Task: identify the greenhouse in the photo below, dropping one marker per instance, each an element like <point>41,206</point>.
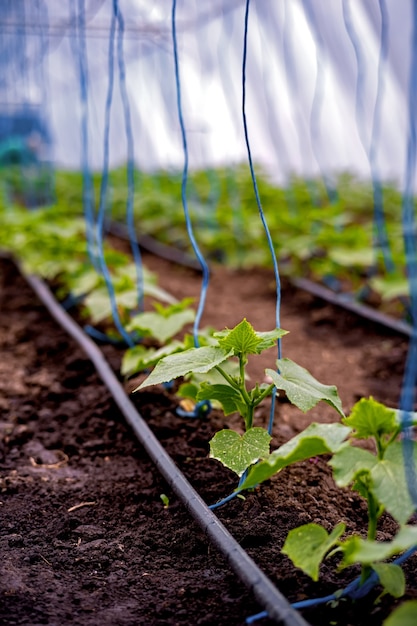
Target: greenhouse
<point>208,318</point>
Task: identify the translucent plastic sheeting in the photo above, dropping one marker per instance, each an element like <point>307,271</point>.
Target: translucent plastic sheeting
<point>310,100</point>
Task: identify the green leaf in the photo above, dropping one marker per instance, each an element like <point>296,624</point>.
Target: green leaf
<point>269,338</point>
<point>390,483</point>
<point>371,419</point>
<point>188,390</point>
<point>364,257</point>
<point>239,452</point>
<point>391,287</point>
<point>133,359</point>
<point>349,462</point>
<point>153,291</point>
<point>404,615</point>
<point>307,546</point>
<point>242,339</point>
<point>391,577</point>
<point>198,360</point>
<point>176,307</point>
<point>358,550</point>
<point>160,326</point>
<point>139,358</point>
<point>387,477</point>
<point>314,440</point>
<point>84,281</point>
<point>98,305</point>
<point>302,388</point>
<point>150,287</point>
<point>229,398</point>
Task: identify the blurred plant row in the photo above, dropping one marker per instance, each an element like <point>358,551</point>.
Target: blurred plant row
<point>327,237</point>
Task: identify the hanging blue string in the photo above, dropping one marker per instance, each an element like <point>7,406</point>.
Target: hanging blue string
<point>130,218</point>
<point>408,210</point>
<point>88,193</point>
<point>269,238</point>
<point>201,260</point>
<point>104,184</point>
<point>258,202</point>
<point>409,388</point>
<point>253,176</point>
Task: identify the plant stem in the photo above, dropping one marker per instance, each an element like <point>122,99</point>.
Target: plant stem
<point>372,516</point>
<point>380,450</point>
<point>239,385</point>
<point>372,528</point>
<point>263,395</point>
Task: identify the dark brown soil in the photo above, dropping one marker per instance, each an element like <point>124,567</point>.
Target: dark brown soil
<point>85,538</point>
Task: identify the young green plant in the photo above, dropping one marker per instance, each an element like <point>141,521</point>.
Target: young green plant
<point>379,477</point>
<point>230,390</point>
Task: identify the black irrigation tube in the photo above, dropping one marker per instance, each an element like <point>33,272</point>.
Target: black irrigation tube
<point>345,302</point>
<point>264,590</point>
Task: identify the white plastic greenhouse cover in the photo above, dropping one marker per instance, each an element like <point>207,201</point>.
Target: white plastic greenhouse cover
<point>310,104</point>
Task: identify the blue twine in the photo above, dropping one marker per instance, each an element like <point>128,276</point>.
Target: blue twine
<point>258,202</point>
<point>130,220</point>
<point>201,260</point>
<point>381,237</point>
<point>104,186</point>
<point>223,501</point>
<point>105,338</point>
<point>409,387</point>
<point>253,176</point>
<point>88,193</point>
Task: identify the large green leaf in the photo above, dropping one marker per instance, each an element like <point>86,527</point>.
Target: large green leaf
<point>239,452</point>
<point>139,358</point>
<point>370,418</point>
<point>307,546</point>
<point>161,327</point>
<point>198,360</point>
<point>314,440</point>
<point>350,461</point>
<point>404,615</point>
<point>390,483</point>
<point>387,477</point>
<point>302,388</point>
<point>358,550</point>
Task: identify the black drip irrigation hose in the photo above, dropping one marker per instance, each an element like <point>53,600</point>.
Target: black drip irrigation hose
<point>346,302</point>
<point>276,605</point>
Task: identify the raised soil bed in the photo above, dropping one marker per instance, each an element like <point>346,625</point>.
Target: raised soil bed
<point>85,538</point>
